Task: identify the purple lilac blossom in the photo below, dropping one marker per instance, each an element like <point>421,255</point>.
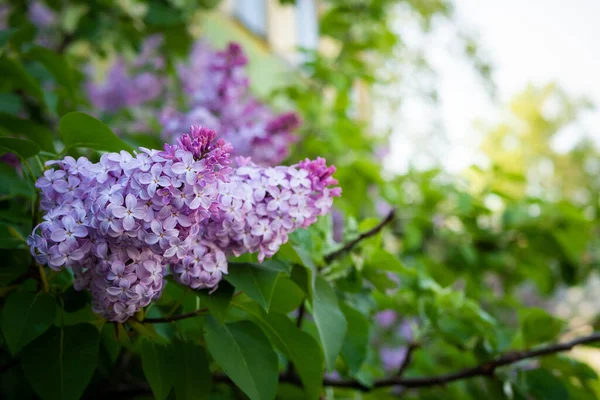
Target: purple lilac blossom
<point>118,223</point>
<point>386,318</point>
<point>11,159</point>
<point>216,85</point>
<point>337,220</point>
<point>261,206</point>
<point>46,22</point>
<point>40,15</point>
<point>393,356</point>
<point>130,83</point>
<point>4,14</point>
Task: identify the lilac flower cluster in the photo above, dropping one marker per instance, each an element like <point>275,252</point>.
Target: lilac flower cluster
<point>218,96</point>
<point>117,223</point>
<point>39,14</point>
<point>261,206</point>
<point>391,341</point>
<point>130,83</point>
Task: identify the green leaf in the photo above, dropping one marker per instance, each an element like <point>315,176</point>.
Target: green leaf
<point>39,134</point>
<point>354,349</point>
<point>192,375</point>
<point>254,280</point>
<point>25,317</point>
<point>11,184</point>
<point>158,368</point>
<point>56,64</point>
<point>287,296</point>
<point>329,319</point>
<point>78,129</point>
<point>277,266</point>
<point>217,302</point>
<point>300,348</point>
<point>22,148</point>
<point>543,385</point>
<point>243,351</point>
<point>5,35</point>
<point>380,279</point>
<point>537,326</point>
<point>10,103</point>
<point>384,261</point>
<point>12,71</point>
<point>60,364</point>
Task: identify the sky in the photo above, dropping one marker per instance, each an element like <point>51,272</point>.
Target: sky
<point>533,41</point>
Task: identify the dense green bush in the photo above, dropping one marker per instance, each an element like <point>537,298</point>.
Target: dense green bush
<point>416,285</point>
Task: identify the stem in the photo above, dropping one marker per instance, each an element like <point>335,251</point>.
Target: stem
<point>408,358</point>
<point>44,279</point>
<point>175,317</point>
<point>180,316</point>
<point>350,245</point>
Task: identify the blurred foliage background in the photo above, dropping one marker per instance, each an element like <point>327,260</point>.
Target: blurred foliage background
<point>480,260</point>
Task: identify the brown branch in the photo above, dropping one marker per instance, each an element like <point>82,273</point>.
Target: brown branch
<point>180,316</point>
<point>174,317</point>
<point>350,245</point>
<point>408,358</point>
<point>486,369</point>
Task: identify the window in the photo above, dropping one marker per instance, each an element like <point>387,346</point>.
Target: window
<point>307,26</point>
<point>253,14</point>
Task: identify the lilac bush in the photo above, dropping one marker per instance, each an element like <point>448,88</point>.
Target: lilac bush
<point>117,224</point>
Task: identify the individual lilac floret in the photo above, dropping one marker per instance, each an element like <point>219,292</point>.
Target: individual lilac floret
<point>260,206</point>
<point>218,96</point>
<point>130,83</point>
<point>118,223</point>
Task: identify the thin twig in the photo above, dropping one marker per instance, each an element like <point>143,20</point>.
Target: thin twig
<point>350,245</point>
<point>180,316</point>
<point>174,317</point>
<point>408,358</point>
<point>301,312</point>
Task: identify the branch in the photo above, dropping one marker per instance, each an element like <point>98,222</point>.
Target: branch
<point>180,316</point>
<point>174,317</point>
<point>486,369</point>
<point>350,245</point>
<point>408,358</point>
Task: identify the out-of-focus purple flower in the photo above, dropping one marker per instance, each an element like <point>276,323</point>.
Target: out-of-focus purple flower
<point>12,160</point>
<point>337,219</point>
<point>130,83</point>
<point>4,13</point>
<point>386,318</point>
<point>40,15</point>
<point>218,96</point>
<point>392,358</point>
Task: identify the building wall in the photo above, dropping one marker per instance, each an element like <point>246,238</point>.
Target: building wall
<point>273,50</point>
